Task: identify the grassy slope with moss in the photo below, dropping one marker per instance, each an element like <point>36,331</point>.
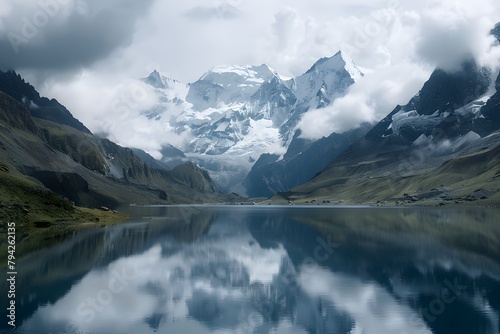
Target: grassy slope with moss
<point>89,170</point>
<point>42,217</point>
<point>471,179</point>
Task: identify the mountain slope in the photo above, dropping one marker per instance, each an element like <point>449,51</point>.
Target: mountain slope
<point>12,84</point>
<point>491,110</point>
<point>468,179</point>
<point>270,175</point>
<point>89,170</point>
<point>326,80</point>
<point>450,122</point>
<point>227,85</point>
<point>447,103</point>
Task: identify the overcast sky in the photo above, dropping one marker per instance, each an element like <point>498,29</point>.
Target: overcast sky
<point>86,52</point>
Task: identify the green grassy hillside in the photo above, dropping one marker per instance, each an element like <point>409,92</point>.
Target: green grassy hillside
<point>471,179</point>
<point>42,217</point>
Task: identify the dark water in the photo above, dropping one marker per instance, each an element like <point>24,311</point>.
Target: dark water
<point>270,270</point>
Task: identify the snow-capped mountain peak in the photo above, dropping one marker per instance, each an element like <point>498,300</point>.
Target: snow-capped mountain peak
<point>328,78</point>
<point>351,67</point>
<point>245,77</point>
<point>170,92</point>
<point>159,81</point>
<point>337,63</point>
<point>235,113</point>
<point>244,71</point>
<point>228,85</point>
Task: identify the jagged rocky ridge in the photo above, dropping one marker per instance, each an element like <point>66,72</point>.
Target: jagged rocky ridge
<point>12,84</point>
<point>234,114</point>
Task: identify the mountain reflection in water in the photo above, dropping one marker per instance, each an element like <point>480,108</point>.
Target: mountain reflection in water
<point>270,270</point>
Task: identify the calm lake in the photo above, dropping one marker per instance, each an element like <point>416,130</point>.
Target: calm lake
<point>270,269</point>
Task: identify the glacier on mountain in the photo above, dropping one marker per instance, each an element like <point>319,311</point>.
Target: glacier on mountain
<point>233,114</point>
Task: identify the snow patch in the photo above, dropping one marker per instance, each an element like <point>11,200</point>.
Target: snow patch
<point>414,120</point>
<point>464,141</point>
<point>475,106</point>
<point>422,140</point>
<point>222,127</point>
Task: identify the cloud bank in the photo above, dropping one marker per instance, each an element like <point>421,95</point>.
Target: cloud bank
<point>86,52</point>
<point>223,11</point>
<point>65,34</point>
<point>403,46</point>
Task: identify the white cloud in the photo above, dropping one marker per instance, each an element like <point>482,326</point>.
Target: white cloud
<point>450,34</point>
<point>296,41</point>
<point>402,42</point>
<point>223,11</point>
<point>116,108</point>
<point>403,45</point>
<point>368,100</point>
<point>65,36</point>
<point>372,309</point>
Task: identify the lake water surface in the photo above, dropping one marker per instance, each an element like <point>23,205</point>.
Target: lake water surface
<point>259,269</point>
